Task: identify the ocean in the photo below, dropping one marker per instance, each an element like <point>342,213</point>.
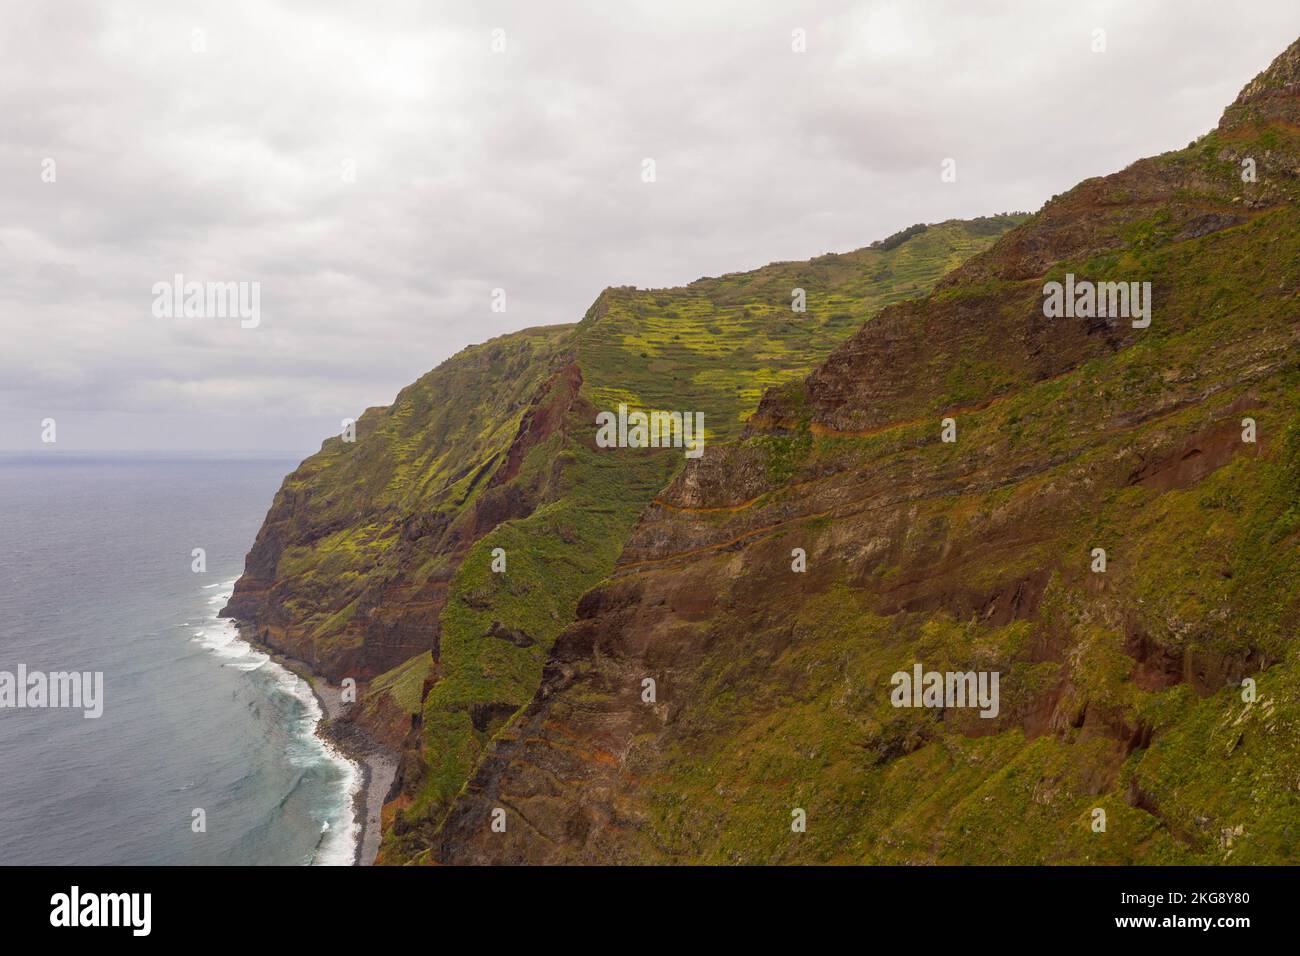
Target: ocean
<point>96,574</point>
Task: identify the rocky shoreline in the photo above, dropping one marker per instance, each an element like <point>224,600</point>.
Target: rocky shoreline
<point>378,763</point>
<point>378,766</point>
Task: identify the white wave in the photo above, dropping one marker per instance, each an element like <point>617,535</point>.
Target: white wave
<point>341,829</point>
<point>221,637</point>
<point>339,846</point>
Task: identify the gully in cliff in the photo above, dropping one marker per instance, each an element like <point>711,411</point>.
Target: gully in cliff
<point>651,430</point>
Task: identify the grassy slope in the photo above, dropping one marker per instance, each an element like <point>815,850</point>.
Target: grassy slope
<point>1120,691</point>
<point>717,344</point>
<point>344,509</point>
<point>711,346</point>
<point>1210,572</point>
<point>810,725</point>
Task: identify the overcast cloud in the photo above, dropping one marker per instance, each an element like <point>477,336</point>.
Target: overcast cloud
<point>519,170</point>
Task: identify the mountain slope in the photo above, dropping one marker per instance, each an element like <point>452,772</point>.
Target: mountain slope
<point>1123,732</point>
<point>376,559</point>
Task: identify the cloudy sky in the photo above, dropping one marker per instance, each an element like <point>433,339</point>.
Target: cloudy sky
<point>378,168</point>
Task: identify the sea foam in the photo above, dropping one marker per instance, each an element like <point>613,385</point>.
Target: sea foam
<point>341,830</point>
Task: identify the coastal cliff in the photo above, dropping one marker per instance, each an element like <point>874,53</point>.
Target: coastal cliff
<point>594,655</point>
<point>375,561</point>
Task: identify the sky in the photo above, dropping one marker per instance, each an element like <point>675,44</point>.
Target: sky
<point>378,169</point>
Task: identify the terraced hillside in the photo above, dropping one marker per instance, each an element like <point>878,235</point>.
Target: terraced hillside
<point>376,559</point>
<point>717,344</point>
<point>1149,708</point>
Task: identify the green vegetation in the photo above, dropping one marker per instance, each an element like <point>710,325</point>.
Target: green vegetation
<point>790,707</point>
<point>712,346</point>
<point>1161,693</point>
<point>716,345</point>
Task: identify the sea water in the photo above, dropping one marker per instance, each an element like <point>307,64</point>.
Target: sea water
<point>96,574</point>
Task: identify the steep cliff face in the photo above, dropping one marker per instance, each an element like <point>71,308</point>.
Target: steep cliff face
<point>376,560</point>
<point>1123,732</point>
<point>351,567</point>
